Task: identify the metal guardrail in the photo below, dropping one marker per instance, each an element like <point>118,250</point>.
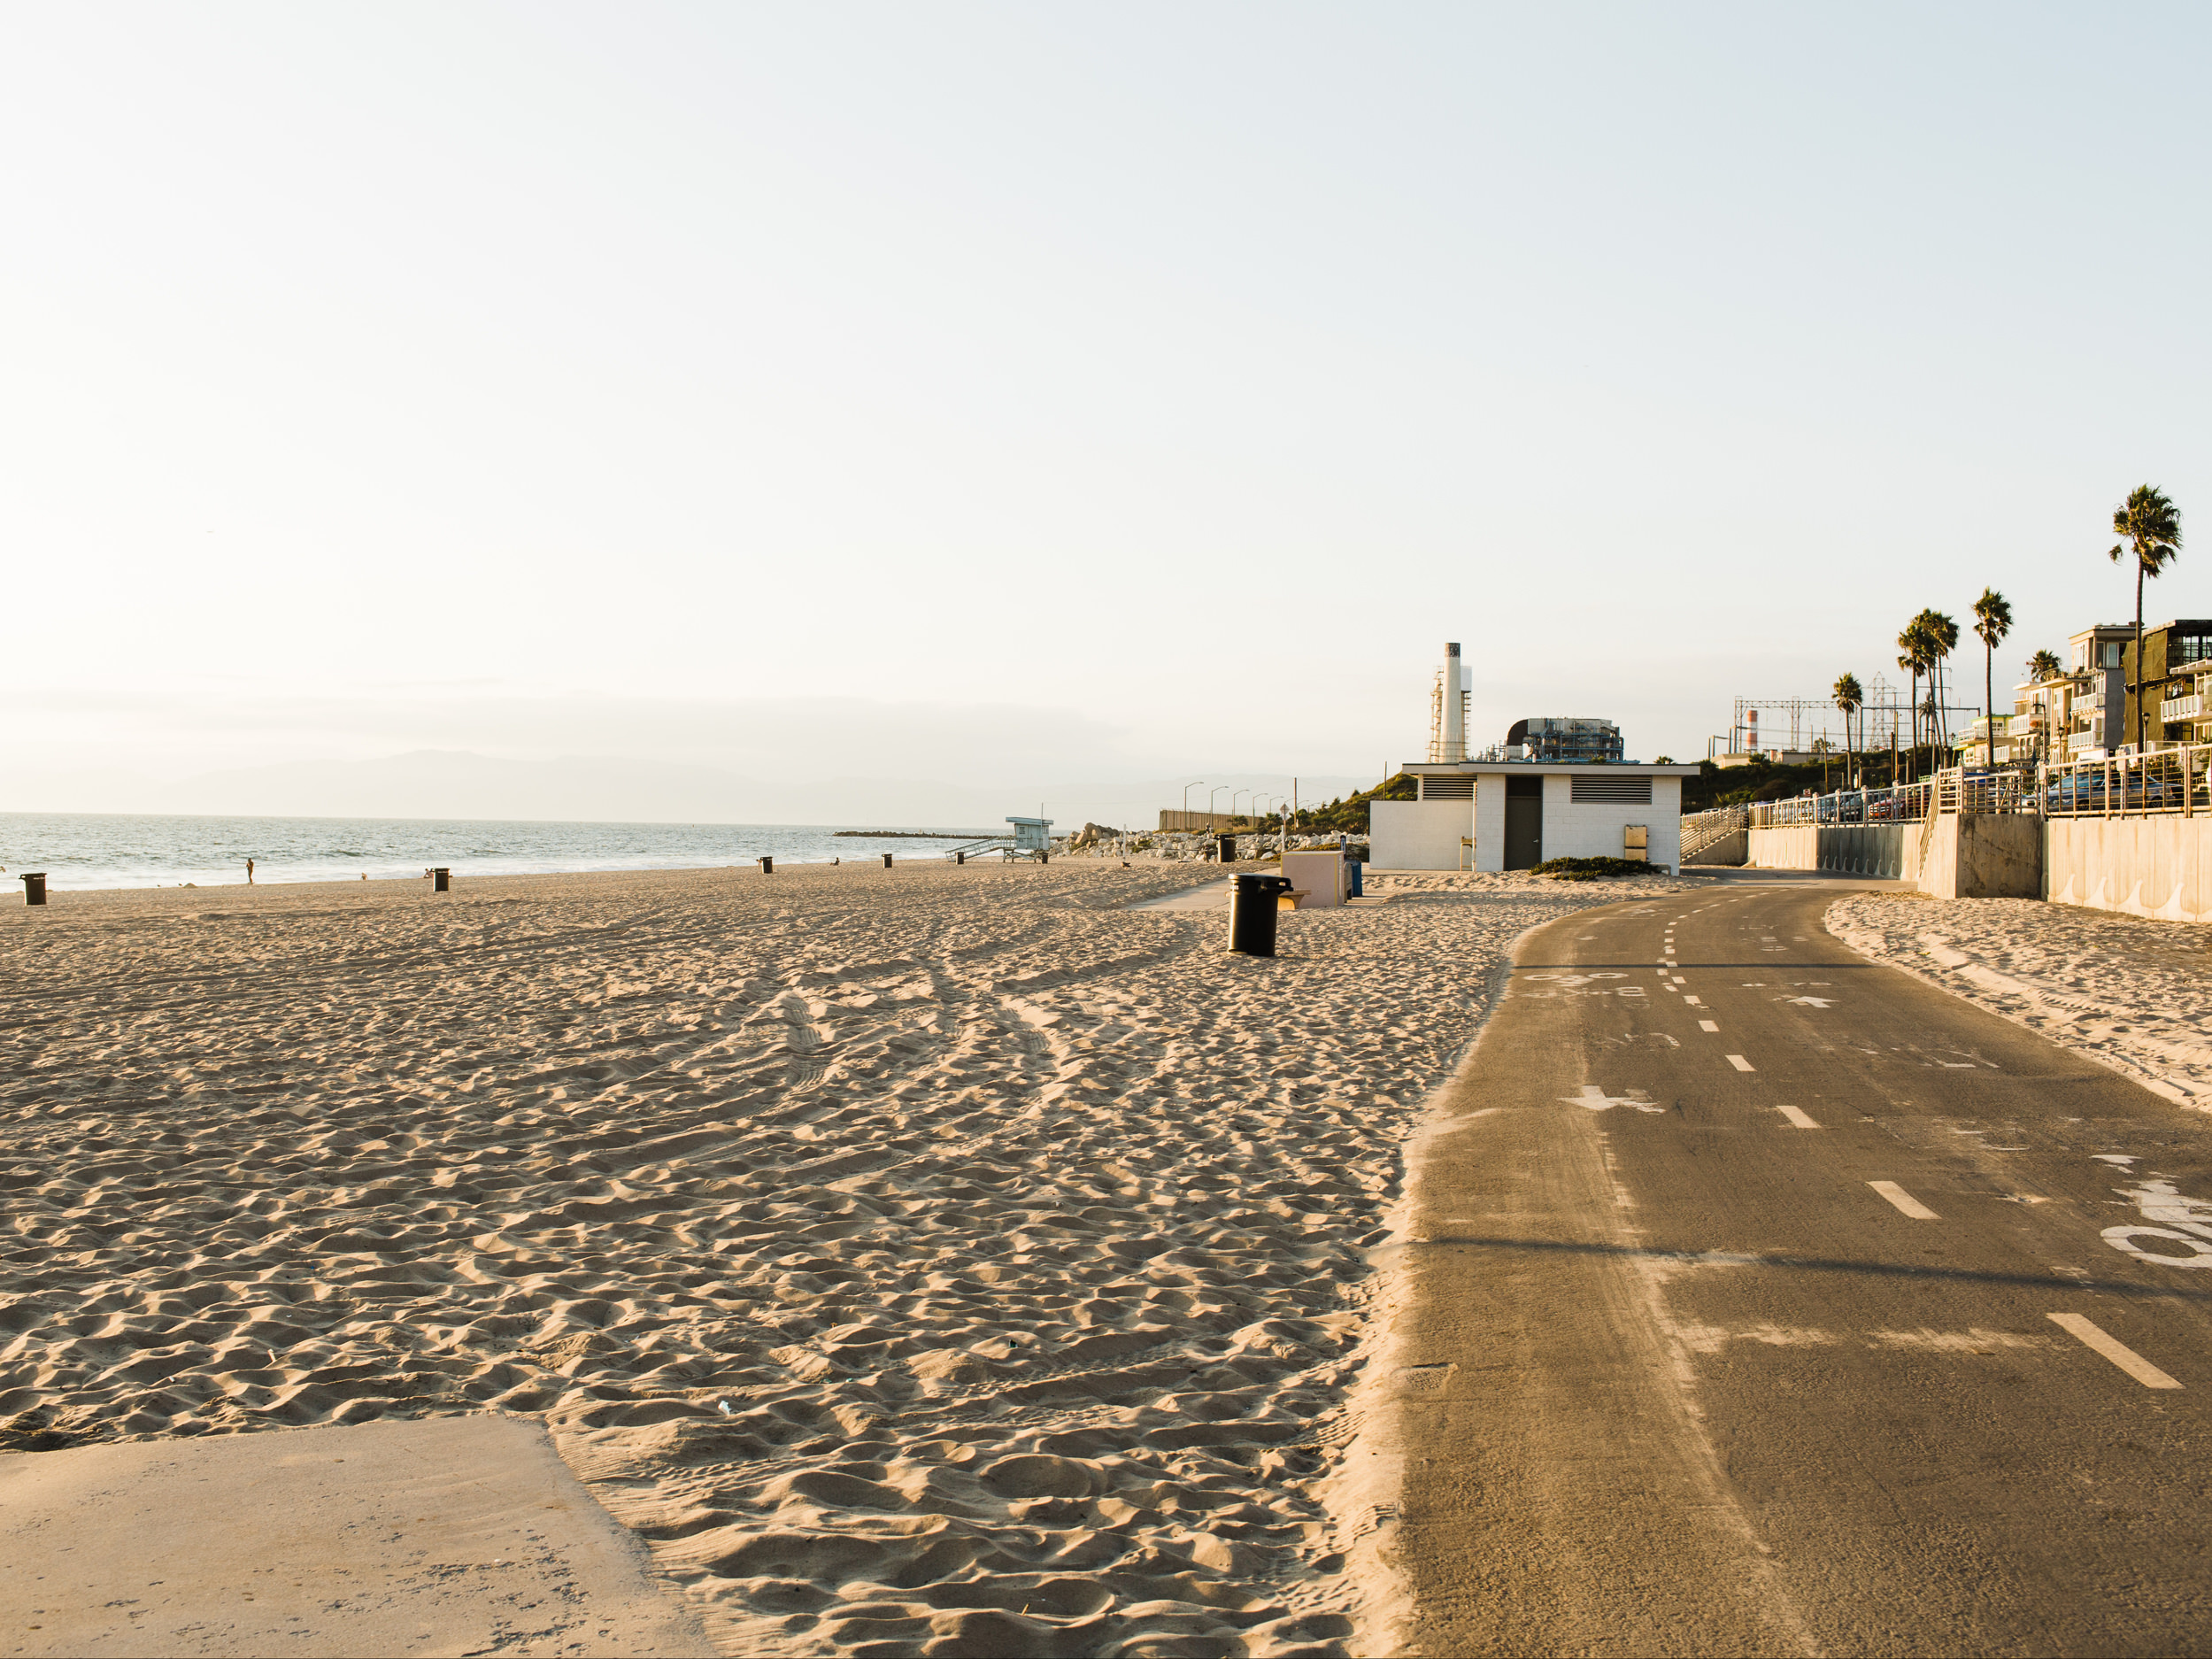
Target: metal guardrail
<point>1703,830</point>
<point>2162,781</point>
<point>1903,803</point>
<point>2177,781</point>
<point>1957,791</point>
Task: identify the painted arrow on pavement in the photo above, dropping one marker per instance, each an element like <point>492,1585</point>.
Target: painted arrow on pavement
<point>1598,1101</point>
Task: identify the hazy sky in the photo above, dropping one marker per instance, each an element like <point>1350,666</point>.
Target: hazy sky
<point>404,374</point>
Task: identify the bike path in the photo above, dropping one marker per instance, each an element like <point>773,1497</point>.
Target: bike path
<point>1761,1299</point>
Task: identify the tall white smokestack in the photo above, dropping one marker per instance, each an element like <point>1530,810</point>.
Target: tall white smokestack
<point>1454,706</point>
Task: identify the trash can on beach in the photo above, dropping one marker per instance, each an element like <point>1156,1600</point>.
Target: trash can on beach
<point>768,867</point>
<point>886,860</point>
<point>1224,849</point>
<point>35,887</point>
<point>441,879</point>
<point>1253,903</point>
<point>1355,878</point>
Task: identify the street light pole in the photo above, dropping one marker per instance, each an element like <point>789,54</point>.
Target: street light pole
<point>1212,818</point>
<point>1232,803</point>
<point>1274,799</point>
<point>1187,788</point>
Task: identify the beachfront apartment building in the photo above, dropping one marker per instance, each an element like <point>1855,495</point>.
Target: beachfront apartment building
<point>2097,701</point>
<point>2171,683</point>
<point>2037,729</point>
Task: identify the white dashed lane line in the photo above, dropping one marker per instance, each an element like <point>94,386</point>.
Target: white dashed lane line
<point>1708,1025</point>
<point>2118,1352</point>
<point>1905,1201</point>
<point>1740,1063</point>
<point>1797,1116</point>
<point>1691,1000</point>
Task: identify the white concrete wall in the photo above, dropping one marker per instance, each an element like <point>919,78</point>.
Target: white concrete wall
<point>1418,835</point>
<point>1595,830</point>
<point>1794,848</point>
<point>2147,867</point>
<point>1490,821</point>
<point>1732,848</point>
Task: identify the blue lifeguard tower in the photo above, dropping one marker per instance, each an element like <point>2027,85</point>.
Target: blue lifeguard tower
<point>1032,838</point>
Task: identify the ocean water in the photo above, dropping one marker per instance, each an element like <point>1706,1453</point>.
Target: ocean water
<point>98,849</point>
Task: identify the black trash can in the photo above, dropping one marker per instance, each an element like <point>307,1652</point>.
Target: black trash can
<point>768,867</point>
<point>1251,913</point>
<point>960,857</point>
<point>1225,850</point>
<point>886,860</point>
<point>441,879</point>
<point>35,887</point>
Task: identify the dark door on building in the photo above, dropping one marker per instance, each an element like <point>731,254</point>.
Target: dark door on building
<point>1525,822</point>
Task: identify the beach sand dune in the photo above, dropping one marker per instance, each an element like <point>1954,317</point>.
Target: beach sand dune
<point>930,1259</point>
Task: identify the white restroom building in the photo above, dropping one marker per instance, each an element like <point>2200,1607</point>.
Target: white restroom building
<point>1515,815</point>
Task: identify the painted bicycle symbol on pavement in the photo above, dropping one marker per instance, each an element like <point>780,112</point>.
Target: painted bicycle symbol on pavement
<point>1575,985</point>
<point>2169,1217</point>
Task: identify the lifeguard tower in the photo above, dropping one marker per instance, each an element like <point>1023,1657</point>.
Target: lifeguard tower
<point>1032,839</point>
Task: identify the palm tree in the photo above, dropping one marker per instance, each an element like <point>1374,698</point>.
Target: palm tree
<point>2149,524</point>
<point>1993,620</point>
<point>1918,644</point>
<point>2043,667</point>
<point>1908,659</point>
<point>1943,636</point>
<point>1848,698</point>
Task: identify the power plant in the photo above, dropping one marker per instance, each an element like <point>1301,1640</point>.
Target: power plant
<point>1447,709</point>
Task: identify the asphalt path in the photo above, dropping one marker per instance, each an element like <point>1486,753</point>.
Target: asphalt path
<point>1763,1300</point>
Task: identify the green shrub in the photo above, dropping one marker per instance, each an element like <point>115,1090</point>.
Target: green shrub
<point>1590,869</point>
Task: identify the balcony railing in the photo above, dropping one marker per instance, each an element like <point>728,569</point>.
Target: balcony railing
<point>2076,741</point>
<point>2190,708</point>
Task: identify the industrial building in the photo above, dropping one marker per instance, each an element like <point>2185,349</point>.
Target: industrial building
<point>1514,807</point>
<point>1573,737</point>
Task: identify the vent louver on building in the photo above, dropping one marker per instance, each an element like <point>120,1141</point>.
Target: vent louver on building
<point>1623,791</point>
<point>1447,788</point>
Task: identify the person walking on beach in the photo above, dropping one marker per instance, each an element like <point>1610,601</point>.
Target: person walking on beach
<point>248,872</point>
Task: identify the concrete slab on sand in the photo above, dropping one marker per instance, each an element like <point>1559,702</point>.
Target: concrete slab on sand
<point>441,1535</point>
<point>1213,895</point>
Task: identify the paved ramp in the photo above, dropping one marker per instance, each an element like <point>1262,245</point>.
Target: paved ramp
<point>448,1535</point>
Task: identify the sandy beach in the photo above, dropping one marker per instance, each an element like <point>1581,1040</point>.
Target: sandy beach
<point>929,1260</point>
<point>2126,990</point>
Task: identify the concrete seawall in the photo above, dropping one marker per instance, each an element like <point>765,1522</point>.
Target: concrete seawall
<point>1732,848</point>
<point>1970,855</point>
<point>2157,867</point>
<point>1983,855</point>
<point>2147,867</point>
<point>1889,851</point>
